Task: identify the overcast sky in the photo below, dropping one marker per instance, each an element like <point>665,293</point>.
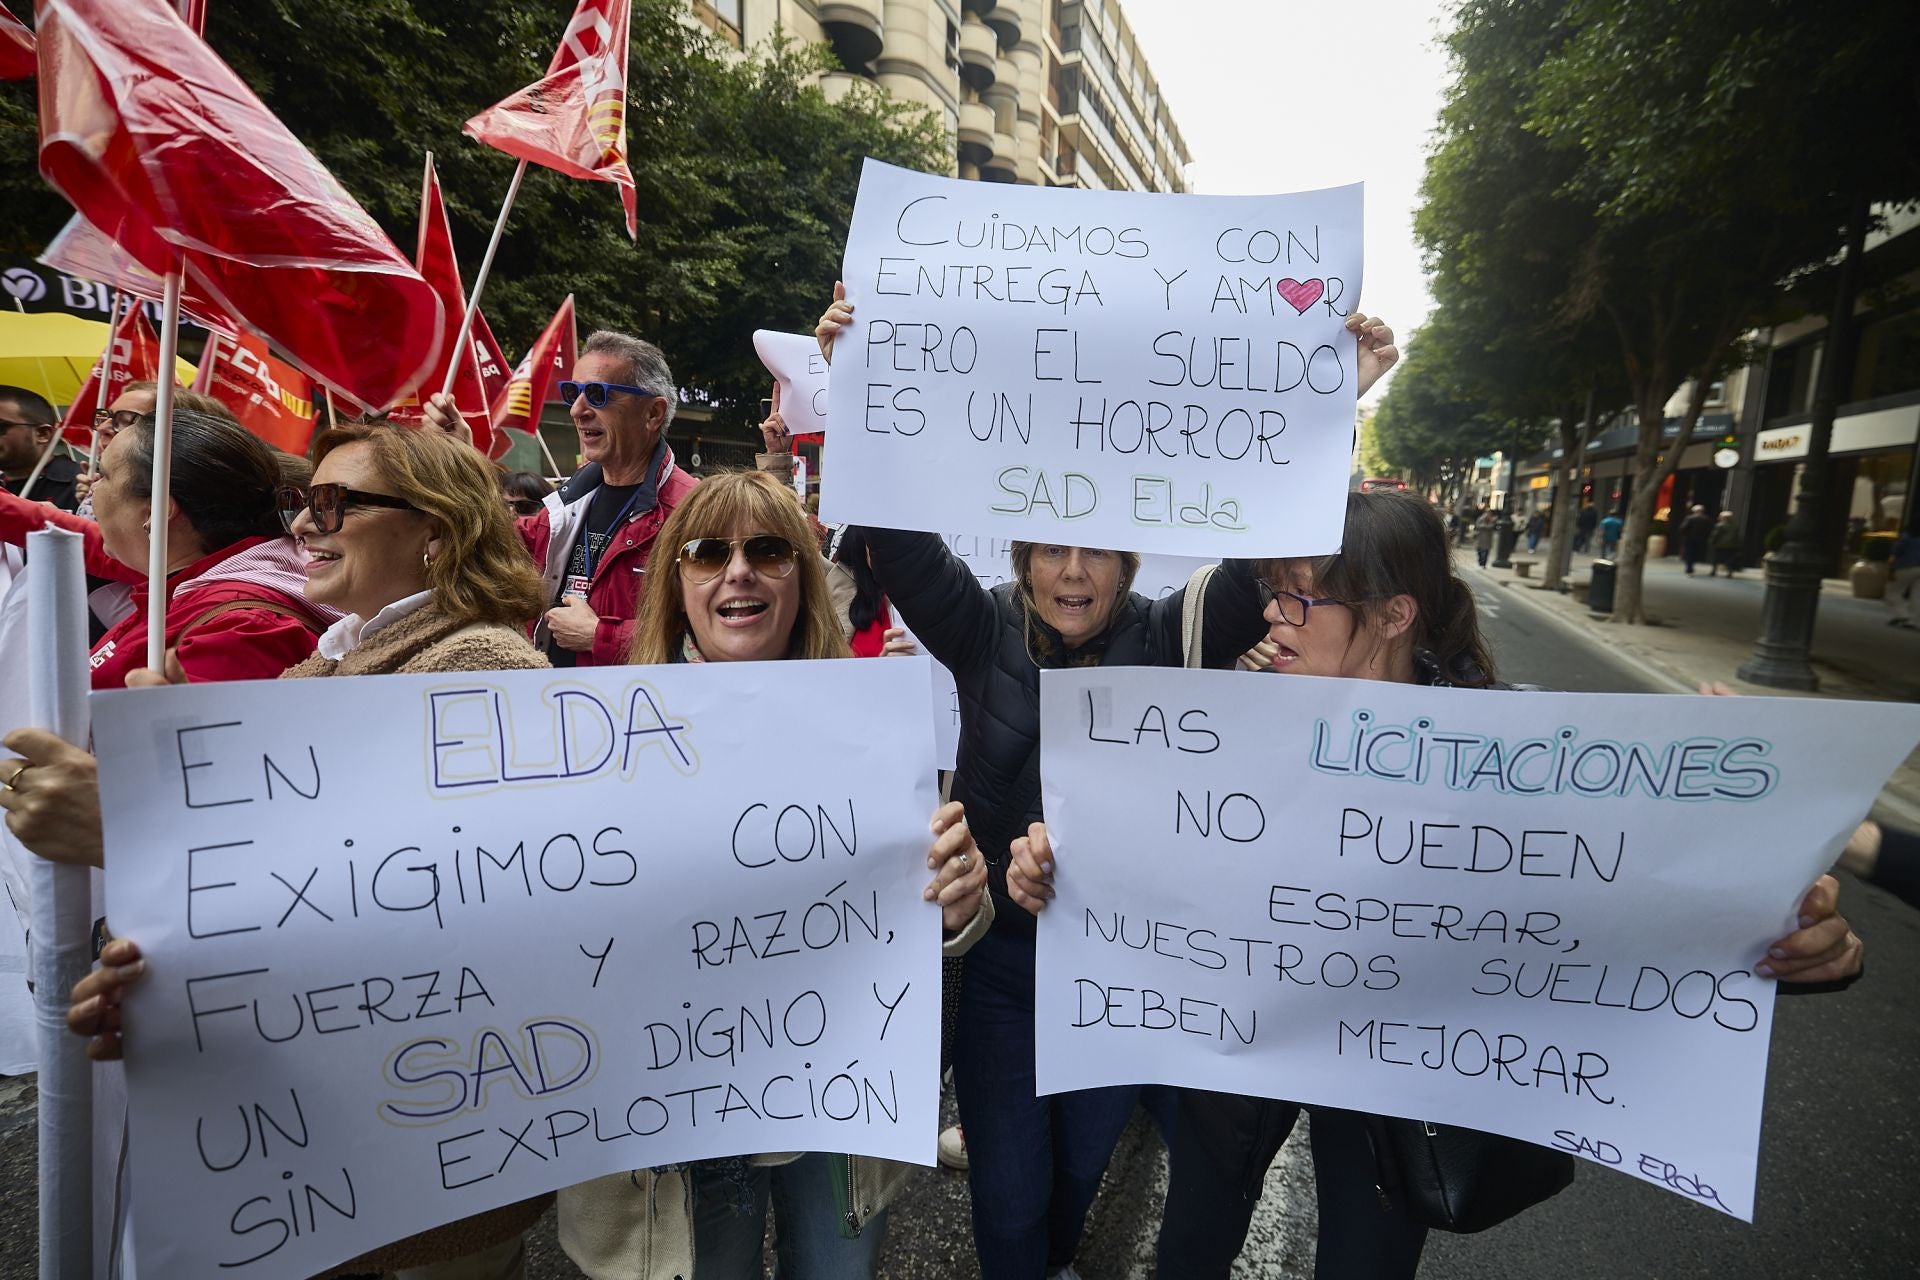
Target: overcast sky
<point>1289,95</point>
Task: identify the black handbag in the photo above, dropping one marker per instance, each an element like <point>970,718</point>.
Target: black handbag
<point>1462,1180</point>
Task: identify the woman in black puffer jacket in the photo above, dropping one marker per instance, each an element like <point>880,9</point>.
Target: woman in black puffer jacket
<point>1034,1163</point>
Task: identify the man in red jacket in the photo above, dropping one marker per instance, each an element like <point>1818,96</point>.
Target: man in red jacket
<point>593,535</point>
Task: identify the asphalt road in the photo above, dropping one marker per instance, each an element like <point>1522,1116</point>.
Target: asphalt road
<point>1839,1187</point>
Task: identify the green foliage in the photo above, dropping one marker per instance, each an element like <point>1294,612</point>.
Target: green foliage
<point>1427,422</point>
<point>745,173</point>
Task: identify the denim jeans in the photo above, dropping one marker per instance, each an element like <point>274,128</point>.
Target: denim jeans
<point>1216,1162</point>
<point>1034,1164</point>
<point>729,1224</point>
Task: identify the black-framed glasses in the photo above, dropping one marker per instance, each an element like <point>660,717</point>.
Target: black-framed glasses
<point>704,559</point>
<point>328,505</point>
<point>8,424</point>
<point>524,506</point>
<point>1294,607</point>
<point>597,392</point>
<point>110,421</point>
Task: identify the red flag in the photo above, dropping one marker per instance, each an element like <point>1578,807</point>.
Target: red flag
<point>132,356</point>
<point>17,58</point>
<point>271,398</point>
<point>194,14</point>
<point>158,143</point>
<point>551,357</point>
<point>82,249</point>
<point>434,258</point>
<point>494,369</point>
<point>574,120</point>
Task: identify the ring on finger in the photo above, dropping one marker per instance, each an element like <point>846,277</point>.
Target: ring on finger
<point>14,776</point>
<point>965,860</point>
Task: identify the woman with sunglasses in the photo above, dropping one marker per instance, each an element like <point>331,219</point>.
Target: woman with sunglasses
<point>235,608</point>
<point>1035,1163</point>
<point>1389,607</point>
<point>407,541</point>
<point>523,492</point>
<point>736,578</point>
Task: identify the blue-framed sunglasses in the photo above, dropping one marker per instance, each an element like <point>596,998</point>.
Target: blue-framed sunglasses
<point>597,392</point>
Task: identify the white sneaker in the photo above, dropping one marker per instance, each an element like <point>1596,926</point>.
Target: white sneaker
<point>1065,1273</point>
<point>953,1149</point>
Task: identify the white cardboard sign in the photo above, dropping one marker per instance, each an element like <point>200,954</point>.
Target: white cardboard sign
<point>1150,372</point>
<point>420,946</point>
<point>796,361</point>
<point>1528,913</point>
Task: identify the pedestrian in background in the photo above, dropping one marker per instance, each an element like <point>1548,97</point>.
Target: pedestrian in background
<point>1694,531</point>
<point>1536,526</point>
<point>1610,534</point>
<point>1483,530</point>
<point>1904,585</point>
<point>1725,541</point>
<point>1583,525</point>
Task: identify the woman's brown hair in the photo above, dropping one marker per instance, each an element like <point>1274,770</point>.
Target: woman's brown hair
<point>1021,554</point>
<point>754,502</point>
<point>483,572</point>
<point>1394,544</point>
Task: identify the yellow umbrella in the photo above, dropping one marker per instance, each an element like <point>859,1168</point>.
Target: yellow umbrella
<point>52,352</point>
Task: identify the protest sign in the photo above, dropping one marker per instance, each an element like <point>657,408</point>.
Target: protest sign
<point>420,946</point>
<point>1115,369</point>
<point>1528,913</point>
<point>991,562</point>
<point>796,361</point>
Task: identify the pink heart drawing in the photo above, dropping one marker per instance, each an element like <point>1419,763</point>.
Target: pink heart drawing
<point>1301,294</point>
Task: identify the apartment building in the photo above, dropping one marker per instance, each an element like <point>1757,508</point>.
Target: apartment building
<point>1041,92</point>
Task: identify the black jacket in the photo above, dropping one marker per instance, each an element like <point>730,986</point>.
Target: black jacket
<point>989,643</point>
<point>56,483</point>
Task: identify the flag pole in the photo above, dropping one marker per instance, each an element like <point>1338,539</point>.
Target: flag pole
<point>480,281</point>
<point>162,476</point>
<point>333,423</point>
<point>203,376</point>
<point>106,379</point>
<point>539,435</point>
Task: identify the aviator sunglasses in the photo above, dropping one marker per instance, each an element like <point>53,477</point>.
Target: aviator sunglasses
<point>329,503</point>
<point>596,392</point>
<point>704,559</point>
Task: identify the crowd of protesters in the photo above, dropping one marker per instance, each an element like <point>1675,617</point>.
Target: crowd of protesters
<point>404,550</point>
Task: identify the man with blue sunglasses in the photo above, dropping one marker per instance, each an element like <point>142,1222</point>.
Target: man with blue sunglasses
<point>592,536</point>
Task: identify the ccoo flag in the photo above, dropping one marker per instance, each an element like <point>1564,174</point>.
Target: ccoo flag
<point>575,119</point>
<point>164,148</point>
<point>551,356</point>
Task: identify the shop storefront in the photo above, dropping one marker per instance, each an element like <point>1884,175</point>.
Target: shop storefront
<point>1871,473</point>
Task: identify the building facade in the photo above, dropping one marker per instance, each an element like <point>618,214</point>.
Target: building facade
<point>1041,92</point>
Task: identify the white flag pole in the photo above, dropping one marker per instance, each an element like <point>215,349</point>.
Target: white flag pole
<point>105,397</point>
<point>62,915</point>
<point>162,478</point>
<point>480,281</point>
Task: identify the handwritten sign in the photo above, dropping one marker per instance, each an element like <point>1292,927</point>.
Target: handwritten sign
<point>422,946</point>
<point>796,361</point>
<point>1112,369</point>
<point>1527,913</point>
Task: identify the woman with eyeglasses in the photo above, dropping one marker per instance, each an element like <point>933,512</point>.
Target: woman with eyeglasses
<point>1388,607</point>
<point>736,577</point>
<point>235,607</point>
<point>1035,1163</point>
<point>406,541</point>
<point>523,492</point>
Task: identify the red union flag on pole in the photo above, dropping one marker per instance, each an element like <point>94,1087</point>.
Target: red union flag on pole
<point>435,260</point>
<point>271,398</point>
<point>162,147</point>
<point>17,58</point>
<point>551,356</point>
<point>132,355</point>
<point>575,119</point>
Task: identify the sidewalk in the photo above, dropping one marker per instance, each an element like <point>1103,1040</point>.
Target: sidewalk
<point>1703,629</point>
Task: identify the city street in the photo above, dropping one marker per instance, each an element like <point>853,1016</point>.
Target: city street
<point>1839,1162</point>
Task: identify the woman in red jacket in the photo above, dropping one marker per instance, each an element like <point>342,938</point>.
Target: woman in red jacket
<point>235,608</point>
